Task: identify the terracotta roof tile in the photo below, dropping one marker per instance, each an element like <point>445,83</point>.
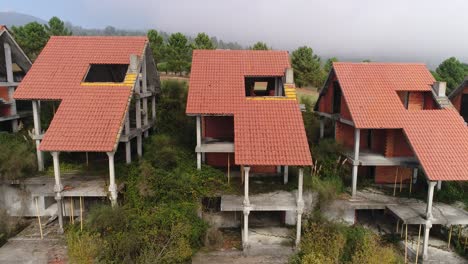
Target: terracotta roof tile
<point>267,132</point>
<point>438,137</point>
<point>89,117</point>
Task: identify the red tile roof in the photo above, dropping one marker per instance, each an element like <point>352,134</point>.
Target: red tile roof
<point>271,133</point>
<point>89,117</point>
<point>438,137</point>
<point>267,132</point>
<point>217,77</point>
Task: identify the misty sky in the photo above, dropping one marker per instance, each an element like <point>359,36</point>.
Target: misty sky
<point>381,30</point>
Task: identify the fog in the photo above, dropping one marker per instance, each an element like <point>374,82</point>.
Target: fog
<point>399,30</point>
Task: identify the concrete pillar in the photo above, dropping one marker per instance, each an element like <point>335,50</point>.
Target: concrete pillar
<point>112,185</point>
<point>300,206</point>
<point>246,186</point>
<point>278,169</point>
<point>286,174</point>
<point>322,128</point>
<point>245,237</point>
<point>138,126</point>
<point>11,89</point>
<point>245,242</point>
<point>128,144</point>
<point>415,175</point>
<point>427,228</point>
<point>37,133</point>
<point>439,185</point>
<point>357,136</point>
<point>58,188</point>
<point>145,99</point>
<point>199,142</point>
<point>430,197</point>
<point>153,108</point>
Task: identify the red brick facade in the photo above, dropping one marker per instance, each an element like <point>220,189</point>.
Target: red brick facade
<point>456,101</point>
<point>219,127</point>
<point>387,174</point>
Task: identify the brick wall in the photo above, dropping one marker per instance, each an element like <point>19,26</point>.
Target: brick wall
<point>429,102</point>
<point>416,101</point>
<point>4,110</point>
<point>326,102</point>
<point>386,174</point>
<point>344,109</point>
<point>397,145</point>
<point>378,141</point>
<point>4,93</point>
<point>219,159</point>
<point>456,101</point>
<point>220,127</point>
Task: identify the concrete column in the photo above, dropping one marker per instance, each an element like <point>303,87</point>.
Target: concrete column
<point>11,90</point>
<point>245,237</point>
<point>300,206</point>
<point>199,142</point>
<point>286,174</point>
<point>415,175</point>
<point>427,228</point>
<point>278,169</point>
<point>430,197</point>
<point>322,128</point>
<point>37,133</point>
<point>153,108</point>
<point>128,144</point>
<point>112,185</point>
<point>246,186</point>
<point>138,126</point>
<point>58,188</point>
<point>357,136</point>
<point>439,185</point>
<point>145,99</point>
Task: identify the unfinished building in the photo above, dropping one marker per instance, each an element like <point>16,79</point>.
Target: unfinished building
<point>14,64</point>
<point>393,120</point>
<point>249,124</point>
<point>107,89</point>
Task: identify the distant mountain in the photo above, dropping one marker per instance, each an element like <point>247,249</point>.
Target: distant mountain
<point>17,19</point>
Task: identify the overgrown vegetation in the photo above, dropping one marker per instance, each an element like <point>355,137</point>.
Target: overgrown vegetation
<point>17,158</point>
<point>329,242</point>
<point>158,220</point>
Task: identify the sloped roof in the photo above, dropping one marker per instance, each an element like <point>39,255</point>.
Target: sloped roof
<point>271,133</point>
<point>459,89</point>
<point>439,137</point>
<point>267,132</point>
<point>90,117</point>
<point>217,77</point>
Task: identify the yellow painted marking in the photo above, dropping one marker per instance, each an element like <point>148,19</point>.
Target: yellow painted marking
<point>129,80</point>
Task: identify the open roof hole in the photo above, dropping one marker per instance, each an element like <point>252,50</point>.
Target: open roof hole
<point>106,73</point>
<point>263,86</point>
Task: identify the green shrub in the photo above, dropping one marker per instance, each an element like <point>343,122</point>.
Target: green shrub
<point>83,247</point>
<point>328,242</point>
<point>17,158</point>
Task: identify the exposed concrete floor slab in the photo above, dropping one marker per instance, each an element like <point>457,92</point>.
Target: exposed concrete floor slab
<point>272,201</point>
<point>74,185</point>
<point>28,247</point>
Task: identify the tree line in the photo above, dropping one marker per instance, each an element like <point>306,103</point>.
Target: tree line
<point>173,52</point>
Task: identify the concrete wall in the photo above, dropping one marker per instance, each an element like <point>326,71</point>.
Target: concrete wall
<point>18,201</point>
<point>223,219</point>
